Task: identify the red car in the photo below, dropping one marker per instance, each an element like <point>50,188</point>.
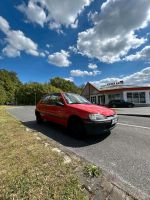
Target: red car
<point>76,113</point>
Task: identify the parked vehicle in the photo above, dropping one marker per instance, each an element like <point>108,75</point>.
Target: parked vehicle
<point>76,113</point>
<point>120,103</point>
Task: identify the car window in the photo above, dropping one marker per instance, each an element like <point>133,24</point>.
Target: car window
<point>118,101</point>
<point>54,99</point>
<point>122,101</point>
<point>112,101</point>
<point>44,99</point>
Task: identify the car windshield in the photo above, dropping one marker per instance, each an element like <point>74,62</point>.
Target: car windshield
<point>75,99</point>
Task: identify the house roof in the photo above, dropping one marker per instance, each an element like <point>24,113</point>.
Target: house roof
<point>118,88</point>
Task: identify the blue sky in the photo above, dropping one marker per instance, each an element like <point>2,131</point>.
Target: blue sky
<point>101,41</point>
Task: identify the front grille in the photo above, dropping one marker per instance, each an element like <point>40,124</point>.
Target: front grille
<point>105,125</point>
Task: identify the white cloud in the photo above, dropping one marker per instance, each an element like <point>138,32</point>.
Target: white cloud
<point>60,59</point>
<point>71,79</point>
<point>42,54</point>
<point>55,26</point>
<point>10,51</point>
<point>139,78</point>
<point>4,25</point>
<point>46,52</point>
<point>17,41</point>
<point>144,54</point>
<point>73,49</point>
<point>55,13</point>
<point>92,66</point>
<point>48,45</point>
<point>114,30</point>
<point>78,72</point>
<point>34,13</point>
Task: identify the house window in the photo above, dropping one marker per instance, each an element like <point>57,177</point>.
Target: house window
<point>129,96</point>
<point>142,97</point>
<point>114,97</point>
<point>136,97</point>
<point>93,99</point>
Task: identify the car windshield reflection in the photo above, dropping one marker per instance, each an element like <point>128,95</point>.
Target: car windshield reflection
<point>75,99</point>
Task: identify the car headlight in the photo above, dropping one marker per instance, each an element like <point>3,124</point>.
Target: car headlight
<point>96,117</point>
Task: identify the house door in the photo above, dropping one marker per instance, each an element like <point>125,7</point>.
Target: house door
<point>101,99</point>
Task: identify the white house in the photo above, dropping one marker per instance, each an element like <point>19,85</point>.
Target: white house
<point>139,95</point>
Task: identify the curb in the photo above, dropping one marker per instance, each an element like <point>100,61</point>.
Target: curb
<point>122,190</point>
<point>112,187</point>
<point>135,115</point>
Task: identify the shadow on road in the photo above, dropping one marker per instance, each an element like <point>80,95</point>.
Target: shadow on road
<point>60,134</point>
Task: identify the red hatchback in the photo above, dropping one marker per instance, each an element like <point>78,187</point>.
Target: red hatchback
<point>76,113</point>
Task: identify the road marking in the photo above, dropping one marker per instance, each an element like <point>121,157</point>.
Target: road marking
<point>134,126</point>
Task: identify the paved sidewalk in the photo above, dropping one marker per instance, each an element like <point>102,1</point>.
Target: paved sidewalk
<point>136,111</point>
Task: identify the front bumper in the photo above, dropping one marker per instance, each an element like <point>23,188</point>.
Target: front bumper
<point>99,127</point>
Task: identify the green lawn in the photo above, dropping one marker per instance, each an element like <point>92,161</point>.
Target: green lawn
<point>31,169</point>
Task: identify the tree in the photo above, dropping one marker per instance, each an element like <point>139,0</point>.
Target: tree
<point>3,96</point>
<point>13,91</point>
<point>10,83</point>
<point>31,93</point>
<point>64,85</point>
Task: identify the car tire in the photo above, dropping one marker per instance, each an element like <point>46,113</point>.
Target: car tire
<point>76,128</point>
<point>130,106</point>
<point>39,119</point>
<point>114,106</point>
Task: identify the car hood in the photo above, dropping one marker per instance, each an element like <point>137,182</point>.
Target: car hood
<point>91,108</point>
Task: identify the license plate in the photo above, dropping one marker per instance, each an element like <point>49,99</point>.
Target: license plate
<point>114,121</point>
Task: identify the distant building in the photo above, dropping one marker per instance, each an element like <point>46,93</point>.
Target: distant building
<point>139,95</point>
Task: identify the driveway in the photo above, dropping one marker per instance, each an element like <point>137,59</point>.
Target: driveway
<point>124,153</point>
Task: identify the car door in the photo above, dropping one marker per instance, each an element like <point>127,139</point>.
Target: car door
<point>123,103</point>
<point>55,109</point>
<point>42,106</point>
<point>119,103</point>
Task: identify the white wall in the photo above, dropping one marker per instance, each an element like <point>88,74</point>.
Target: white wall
<point>125,96</point>
<point>148,97</point>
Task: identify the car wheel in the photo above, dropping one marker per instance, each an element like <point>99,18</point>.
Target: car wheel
<point>39,119</point>
<point>76,128</point>
<point>130,106</point>
<point>114,106</point>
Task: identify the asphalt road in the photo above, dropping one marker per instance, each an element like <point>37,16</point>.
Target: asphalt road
<point>124,153</point>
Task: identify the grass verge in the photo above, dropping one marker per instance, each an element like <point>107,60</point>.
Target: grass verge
<point>31,169</point>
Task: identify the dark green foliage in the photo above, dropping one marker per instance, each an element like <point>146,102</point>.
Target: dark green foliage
<point>31,93</point>
<point>9,83</point>
<point>64,85</point>
<point>13,91</point>
<point>3,96</point>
